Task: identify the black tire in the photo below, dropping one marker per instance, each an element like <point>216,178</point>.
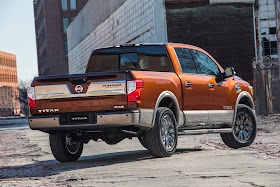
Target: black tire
<point>142,140</point>
<point>62,151</point>
<point>244,130</point>
<point>156,143</point>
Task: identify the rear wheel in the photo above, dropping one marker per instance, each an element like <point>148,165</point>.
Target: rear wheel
<point>162,138</point>
<point>65,147</point>
<point>142,140</point>
<point>243,131</point>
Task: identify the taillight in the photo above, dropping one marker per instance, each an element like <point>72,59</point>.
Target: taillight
<point>31,96</point>
<point>134,89</point>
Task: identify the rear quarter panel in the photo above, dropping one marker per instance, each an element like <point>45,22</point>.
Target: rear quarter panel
<point>154,84</point>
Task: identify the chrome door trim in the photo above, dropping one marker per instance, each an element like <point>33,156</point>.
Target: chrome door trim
<point>196,116</point>
<point>221,116</point>
<point>209,117</point>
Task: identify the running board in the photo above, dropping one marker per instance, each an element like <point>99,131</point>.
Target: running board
<point>204,131</point>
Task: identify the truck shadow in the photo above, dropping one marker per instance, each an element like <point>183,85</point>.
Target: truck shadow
<point>53,167</point>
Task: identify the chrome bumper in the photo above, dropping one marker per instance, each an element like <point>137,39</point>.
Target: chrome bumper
<point>112,119</point>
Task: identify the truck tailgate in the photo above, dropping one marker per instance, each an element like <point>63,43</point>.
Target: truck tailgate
<point>80,93</point>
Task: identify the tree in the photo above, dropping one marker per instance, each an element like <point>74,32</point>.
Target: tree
<point>22,88</point>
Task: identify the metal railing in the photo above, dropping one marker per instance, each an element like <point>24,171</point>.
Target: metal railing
<point>266,73</point>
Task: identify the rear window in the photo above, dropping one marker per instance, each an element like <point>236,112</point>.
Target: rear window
<point>143,58</point>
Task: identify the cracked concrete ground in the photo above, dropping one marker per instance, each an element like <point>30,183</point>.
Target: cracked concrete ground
<point>26,160</point>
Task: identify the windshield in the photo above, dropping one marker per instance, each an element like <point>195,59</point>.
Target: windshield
<point>143,58</point>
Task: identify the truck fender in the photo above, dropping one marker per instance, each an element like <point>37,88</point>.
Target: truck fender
<point>240,96</point>
<point>148,116</point>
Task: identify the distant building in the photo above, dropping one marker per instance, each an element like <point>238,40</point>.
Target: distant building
<point>52,17</point>
<point>9,102</point>
<point>232,31</point>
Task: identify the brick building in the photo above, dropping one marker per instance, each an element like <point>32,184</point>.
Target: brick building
<point>9,102</point>
<point>52,17</point>
<point>230,30</point>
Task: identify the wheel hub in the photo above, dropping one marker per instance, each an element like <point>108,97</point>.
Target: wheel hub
<point>243,128</point>
<point>167,133</point>
<point>72,145</point>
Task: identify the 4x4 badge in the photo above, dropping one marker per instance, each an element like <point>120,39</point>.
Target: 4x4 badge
<point>79,88</point>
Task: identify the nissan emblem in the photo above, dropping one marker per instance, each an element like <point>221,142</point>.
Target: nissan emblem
<point>79,88</point>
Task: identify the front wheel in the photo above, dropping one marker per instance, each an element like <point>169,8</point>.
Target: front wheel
<point>244,129</point>
<point>161,139</point>
<point>65,147</point>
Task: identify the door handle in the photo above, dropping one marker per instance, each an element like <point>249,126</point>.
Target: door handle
<point>211,85</point>
<point>188,84</point>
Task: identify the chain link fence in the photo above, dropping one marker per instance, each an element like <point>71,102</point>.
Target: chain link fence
<point>266,85</point>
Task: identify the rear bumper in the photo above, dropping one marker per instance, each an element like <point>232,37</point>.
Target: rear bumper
<point>110,119</point>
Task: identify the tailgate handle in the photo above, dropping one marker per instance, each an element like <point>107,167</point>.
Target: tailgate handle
<point>79,80</point>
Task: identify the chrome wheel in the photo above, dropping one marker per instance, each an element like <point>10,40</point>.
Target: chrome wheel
<point>72,145</point>
<point>167,133</point>
<point>243,128</point>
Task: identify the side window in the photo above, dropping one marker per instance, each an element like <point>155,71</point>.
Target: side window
<point>186,60</point>
<point>153,59</point>
<point>206,64</point>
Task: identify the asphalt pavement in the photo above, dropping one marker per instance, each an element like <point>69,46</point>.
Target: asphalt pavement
<point>26,160</point>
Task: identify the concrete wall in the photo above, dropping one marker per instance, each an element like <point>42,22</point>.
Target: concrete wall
<point>93,13</point>
<point>135,21</point>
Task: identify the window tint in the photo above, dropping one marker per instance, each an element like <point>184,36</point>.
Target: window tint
<point>104,63</point>
<point>65,24</point>
<point>73,4</point>
<point>64,4</point>
<point>206,64</point>
<point>65,48</point>
<point>186,60</point>
<point>144,58</point>
<point>128,61</point>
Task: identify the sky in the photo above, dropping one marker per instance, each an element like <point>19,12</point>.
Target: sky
<point>17,35</point>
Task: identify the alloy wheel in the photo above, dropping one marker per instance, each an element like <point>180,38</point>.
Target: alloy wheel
<point>167,133</point>
<point>243,128</point>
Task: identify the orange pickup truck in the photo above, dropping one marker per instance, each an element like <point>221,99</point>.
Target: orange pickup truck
<point>155,92</point>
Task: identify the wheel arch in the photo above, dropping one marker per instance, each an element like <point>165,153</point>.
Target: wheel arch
<point>169,100</point>
<point>246,99</point>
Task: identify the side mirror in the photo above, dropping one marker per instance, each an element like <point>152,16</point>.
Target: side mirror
<point>229,72</point>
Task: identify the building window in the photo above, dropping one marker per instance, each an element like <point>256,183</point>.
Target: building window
<point>73,5</point>
<point>273,46</point>
<point>65,24</point>
<point>269,47</point>
<point>64,5</point>
<point>72,18</point>
<point>272,30</point>
<point>65,48</point>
